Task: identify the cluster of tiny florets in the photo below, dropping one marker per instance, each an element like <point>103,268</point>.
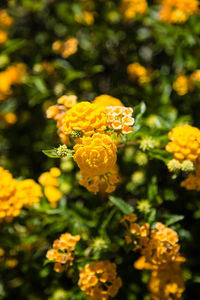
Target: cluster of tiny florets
<point>16,194</point>
<point>99,281</point>
<point>178,11</point>
<point>138,73</point>
<point>62,252</point>
<point>66,48</point>
<point>5,22</point>
<point>10,76</point>
<point>130,8</point>
<point>93,129</point>
<point>49,180</point>
<point>184,143</point>
<point>160,254</point>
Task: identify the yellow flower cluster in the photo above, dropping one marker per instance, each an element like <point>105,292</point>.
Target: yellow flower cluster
<point>85,117</point>
<point>66,48</point>
<point>192,182</point>
<point>105,183</point>
<point>178,11</point>
<point>167,282</point>
<point>9,118</point>
<point>138,73</point>
<point>99,281</point>
<point>89,126</point>
<point>12,75</point>
<point>130,8</point>
<point>62,251</point>
<point>107,100</point>
<point>50,182</point>
<point>95,155</point>
<point>185,143</point>
<point>58,113</point>
<point>160,254</point>
<point>182,85</point>
<point>16,194</point>
<point>5,22</point>
<point>88,13</point>
<point>158,246</point>
<point>120,118</point>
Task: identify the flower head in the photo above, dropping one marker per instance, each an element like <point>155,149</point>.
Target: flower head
<point>95,155</point>
<point>99,281</point>
<point>185,143</point>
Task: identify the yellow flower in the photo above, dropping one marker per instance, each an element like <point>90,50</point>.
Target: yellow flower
<point>28,191</point>
<point>16,194</point>
<point>67,100</point>
<point>167,282</point>
<point>107,100</point>
<point>62,251</point>
<point>192,182</point>
<point>185,143</point>
<point>138,73</point>
<point>130,8</point>
<point>12,75</point>
<point>86,118</point>
<point>182,85</point>
<point>50,182</point>
<point>95,155</point>
<point>5,19</point>
<point>106,183</point>
<point>52,194</point>
<point>99,281</point>
<point>3,36</point>
<point>67,47</point>
<point>10,118</point>
<point>177,11</point>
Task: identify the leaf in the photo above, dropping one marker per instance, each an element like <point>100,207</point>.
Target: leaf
<point>138,112</point>
<point>172,219</point>
<point>123,206</point>
<point>51,153</point>
<point>160,155</point>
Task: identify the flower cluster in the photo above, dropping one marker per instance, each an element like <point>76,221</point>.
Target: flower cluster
<point>9,118</point>
<point>130,8</point>
<point>88,13</point>
<point>50,182</point>
<point>192,182</point>
<point>66,48</point>
<point>160,254</point>
<point>102,184</point>
<point>138,73</point>
<point>5,22</point>
<point>16,194</point>
<point>158,246</point>
<point>99,281</point>
<point>58,113</point>
<point>185,143</point>
<point>62,251</point>
<point>93,130</point>
<point>12,75</point>
<point>177,11</point>
<point>183,84</point>
<point>120,118</point>
<point>95,155</point>
<point>107,100</point>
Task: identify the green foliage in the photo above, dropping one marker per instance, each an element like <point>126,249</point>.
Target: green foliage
<point>105,49</point>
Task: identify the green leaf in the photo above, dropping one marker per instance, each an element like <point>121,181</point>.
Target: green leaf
<point>160,155</point>
<point>51,153</point>
<point>172,219</point>
<point>123,206</point>
<point>138,112</point>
